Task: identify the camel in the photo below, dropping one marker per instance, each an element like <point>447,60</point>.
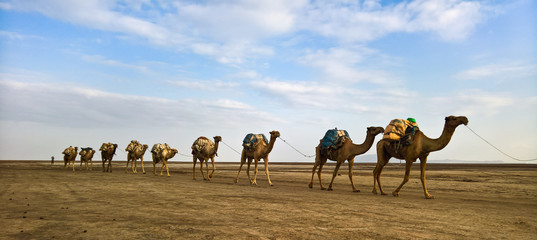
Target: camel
<point>161,153</point>
<point>347,152</point>
<point>69,156</point>
<point>420,148</point>
<point>203,152</point>
<point>108,150</point>
<point>262,150</point>
<point>86,155</point>
<point>135,151</point>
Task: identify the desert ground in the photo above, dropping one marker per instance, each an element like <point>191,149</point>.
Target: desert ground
<point>472,201</point>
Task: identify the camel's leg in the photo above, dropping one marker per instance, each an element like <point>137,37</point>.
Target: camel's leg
<point>423,162</point>
<point>103,165</point>
<point>338,164</point>
<point>134,165</point>
<point>313,171</point>
<point>248,170</point>
<point>351,165</point>
<point>256,170</point>
<point>214,168</point>
<point>162,167</point>
<point>408,167</point>
<point>319,172</point>
<point>267,171</point>
<point>167,169</point>
<point>382,160</point>
<point>243,160</point>
<point>142,162</point>
<point>195,160</point>
<point>91,167</point>
<point>201,169</point>
<point>206,169</point>
<point>109,166</point>
<point>127,167</point>
<point>81,162</point>
<point>154,171</point>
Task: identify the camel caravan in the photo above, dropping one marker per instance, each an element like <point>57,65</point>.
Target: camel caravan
<point>402,139</point>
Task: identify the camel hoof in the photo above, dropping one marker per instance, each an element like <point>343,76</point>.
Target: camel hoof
<point>383,193</point>
<point>356,190</point>
<point>323,188</point>
<point>395,194</point>
<point>374,192</point>
<point>329,189</point>
<point>429,197</point>
<point>310,185</point>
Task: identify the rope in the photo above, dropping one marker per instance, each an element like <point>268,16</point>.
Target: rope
<point>516,159</point>
<point>230,147</point>
<point>296,149</point>
<point>184,155</point>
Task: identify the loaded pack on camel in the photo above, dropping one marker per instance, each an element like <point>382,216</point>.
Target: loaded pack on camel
<point>157,148</point>
<point>200,144</point>
<point>333,140</point>
<point>401,131</point>
<point>251,141</point>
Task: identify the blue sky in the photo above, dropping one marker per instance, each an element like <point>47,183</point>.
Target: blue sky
<point>85,72</point>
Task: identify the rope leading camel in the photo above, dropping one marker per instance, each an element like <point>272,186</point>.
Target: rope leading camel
<point>420,148</point>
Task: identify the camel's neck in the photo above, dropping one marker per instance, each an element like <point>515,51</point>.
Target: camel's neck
<point>216,146</point>
<point>357,149</point>
<point>431,145</point>
<point>268,149</point>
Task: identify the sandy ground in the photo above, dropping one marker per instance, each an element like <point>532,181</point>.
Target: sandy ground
<point>40,201</point>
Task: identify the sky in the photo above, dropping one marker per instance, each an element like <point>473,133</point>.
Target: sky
<point>80,73</point>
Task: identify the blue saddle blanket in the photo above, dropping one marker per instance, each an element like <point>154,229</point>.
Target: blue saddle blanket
<point>251,140</point>
<point>333,138</point>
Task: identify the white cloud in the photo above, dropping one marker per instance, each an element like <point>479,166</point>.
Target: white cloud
<point>68,105</point>
<point>505,71</point>
<point>472,102</point>
<point>211,85</point>
<point>452,20</point>
<point>114,63</point>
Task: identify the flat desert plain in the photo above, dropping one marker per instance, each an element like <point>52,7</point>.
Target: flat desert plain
<point>472,201</point>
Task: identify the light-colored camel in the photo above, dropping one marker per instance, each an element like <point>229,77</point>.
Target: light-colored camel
<point>207,151</point>
<point>262,150</point>
<point>86,156</point>
<point>135,150</point>
<point>69,156</point>
<point>347,152</point>
<point>162,153</point>
<point>420,148</point>
<point>108,150</point>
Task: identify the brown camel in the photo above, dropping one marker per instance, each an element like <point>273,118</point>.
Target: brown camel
<point>162,153</point>
<point>347,152</point>
<point>86,156</point>
<point>420,148</point>
<point>69,156</point>
<point>261,150</point>
<point>135,150</point>
<point>203,149</point>
<point>108,150</point>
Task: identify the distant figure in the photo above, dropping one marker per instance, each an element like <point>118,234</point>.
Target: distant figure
<point>52,160</point>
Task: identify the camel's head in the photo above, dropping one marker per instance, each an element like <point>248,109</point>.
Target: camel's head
<point>456,121</point>
<point>375,130</point>
<point>217,138</point>
<point>274,134</point>
<point>172,152</point>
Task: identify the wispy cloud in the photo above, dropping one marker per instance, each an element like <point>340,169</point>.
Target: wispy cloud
<point>114,63</point>
<point>473,102</point>
<point>67,105</point>
<point>499,71</point>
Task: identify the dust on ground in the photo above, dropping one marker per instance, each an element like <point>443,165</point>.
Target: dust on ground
<point>40,201</point>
